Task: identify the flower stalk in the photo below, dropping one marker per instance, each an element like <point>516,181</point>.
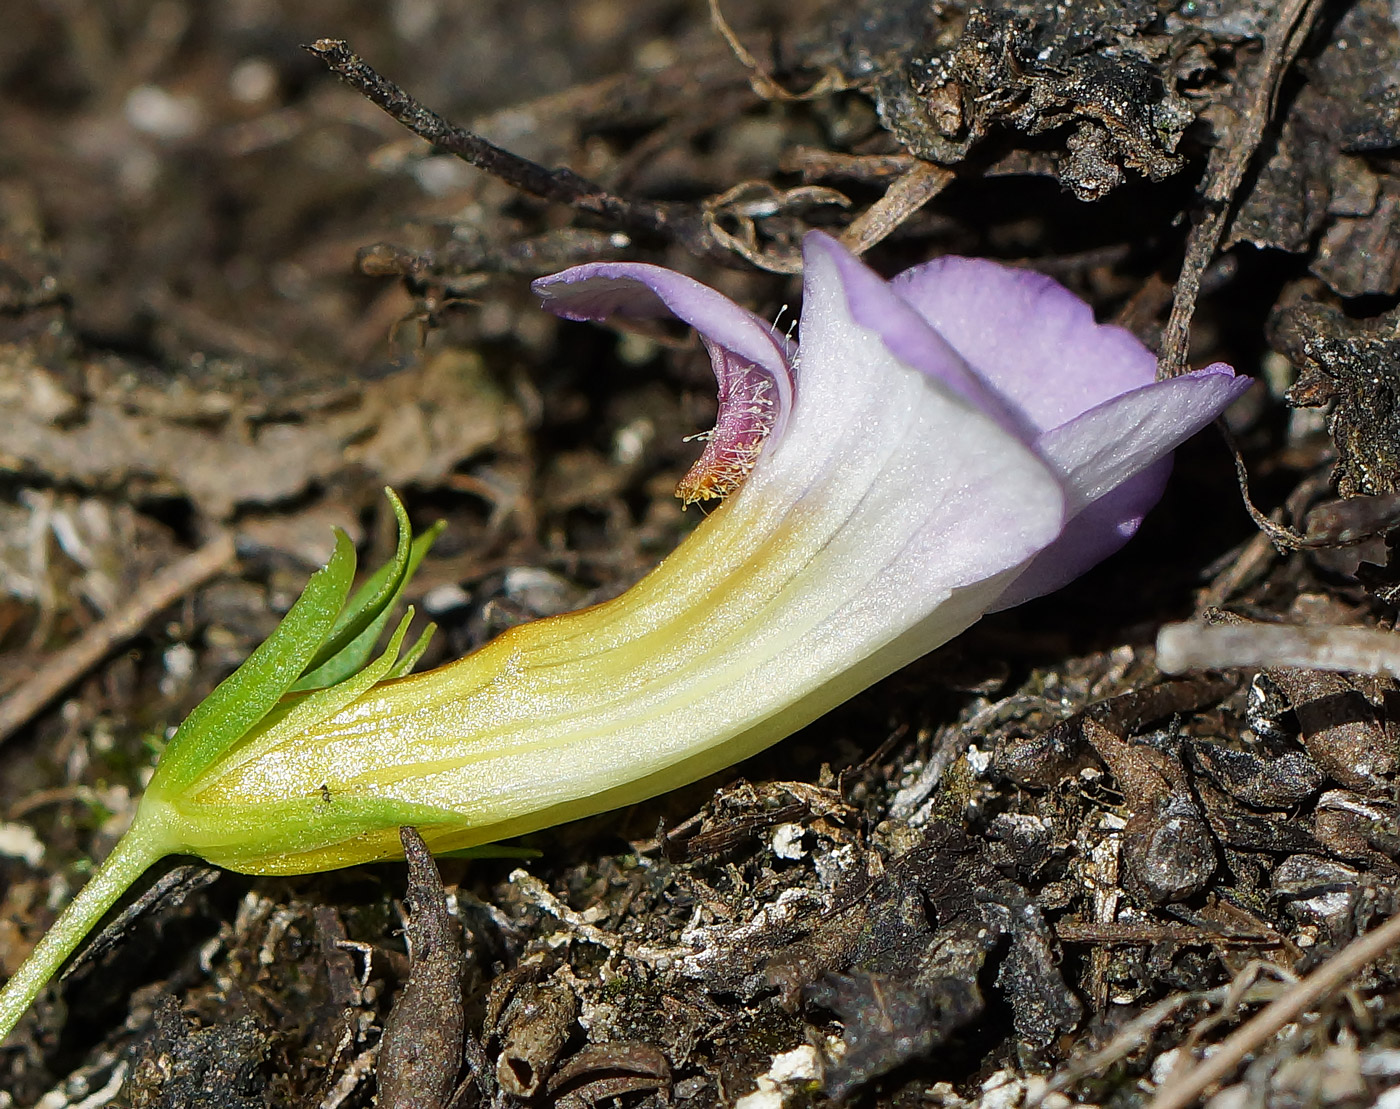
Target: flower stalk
<point>143,845</point>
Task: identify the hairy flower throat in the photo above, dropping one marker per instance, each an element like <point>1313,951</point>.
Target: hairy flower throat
<point>747,413</point>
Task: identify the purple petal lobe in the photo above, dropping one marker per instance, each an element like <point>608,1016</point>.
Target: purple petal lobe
<point>1089,538</point>
<point>1114,441</point>
<point>1029,338</point>
<point>600,290</point>
<point>874,304</point>
<point>925,478</point>
<point>752,362</point>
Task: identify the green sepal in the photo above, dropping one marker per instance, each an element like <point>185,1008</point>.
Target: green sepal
<point>411,656</point>
<point>251,840</point>
<point>253,690</point>
<point>370,596</point>
<point>322,642</point>
<point>302,712</point>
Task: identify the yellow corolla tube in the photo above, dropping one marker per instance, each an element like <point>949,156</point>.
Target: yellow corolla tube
<point>938,446</point>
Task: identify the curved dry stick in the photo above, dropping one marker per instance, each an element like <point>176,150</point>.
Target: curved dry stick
<point>1178,1093</point>
<point>906,195</point>
<point>679,222</point>
<point>58,671</point>
<point>1225,170</point>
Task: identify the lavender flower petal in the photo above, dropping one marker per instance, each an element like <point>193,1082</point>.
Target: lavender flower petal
<point>958,500</point>
<point>599,290</point>
<point>752,361</point>
<point>1087,388</point>
<point>1090,537</point>
<point>1101,449</point>
<point>1028,337</point>
<point>874,303</point>
<point>1115,460</point>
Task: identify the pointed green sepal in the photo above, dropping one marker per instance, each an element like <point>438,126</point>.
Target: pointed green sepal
<point>301,712</point>
<point>411,656</point>
<point>368,611</point>
<point>253,690</point>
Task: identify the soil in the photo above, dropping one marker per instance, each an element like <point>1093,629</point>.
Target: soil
<point>237,298</point>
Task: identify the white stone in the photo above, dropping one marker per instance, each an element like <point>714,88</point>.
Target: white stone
<point>18,841</point>
<point>801,1064</point>
<point>787,841</point>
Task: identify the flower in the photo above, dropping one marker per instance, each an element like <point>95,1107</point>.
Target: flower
<point>944,444</point>
<point>941,445</point>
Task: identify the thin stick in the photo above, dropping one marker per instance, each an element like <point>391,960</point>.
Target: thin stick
<point>1296,1000</point>
<point>1195,646</point>
<point>562,186</point>
<point>1283,537</point>
<point>760,80</point>
<point>1225,171</point>
<point>905,196</point>
<point>61,669</point>
<point>1127,1039</point>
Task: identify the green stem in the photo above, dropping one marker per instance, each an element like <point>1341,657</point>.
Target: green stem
<point>143,844</point>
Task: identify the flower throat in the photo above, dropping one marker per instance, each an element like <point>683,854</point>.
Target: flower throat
<point>747,413</point>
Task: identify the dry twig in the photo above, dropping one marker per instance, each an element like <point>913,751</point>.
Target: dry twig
<point>760,80</point>
<point>56,673</point>
<point>1225,171</point>
<point>679,222</point>
<point>1296,1000</point>
<point>1129,1038</point>
<point>905,196</point>
<point>1194,646</point>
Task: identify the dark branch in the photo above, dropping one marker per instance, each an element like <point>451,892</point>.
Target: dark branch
<point>563,186</point>
<point>1225,171</point>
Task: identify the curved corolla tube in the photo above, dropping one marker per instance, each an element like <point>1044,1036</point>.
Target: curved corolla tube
<point>890,481</point>
<point>951,442</point>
